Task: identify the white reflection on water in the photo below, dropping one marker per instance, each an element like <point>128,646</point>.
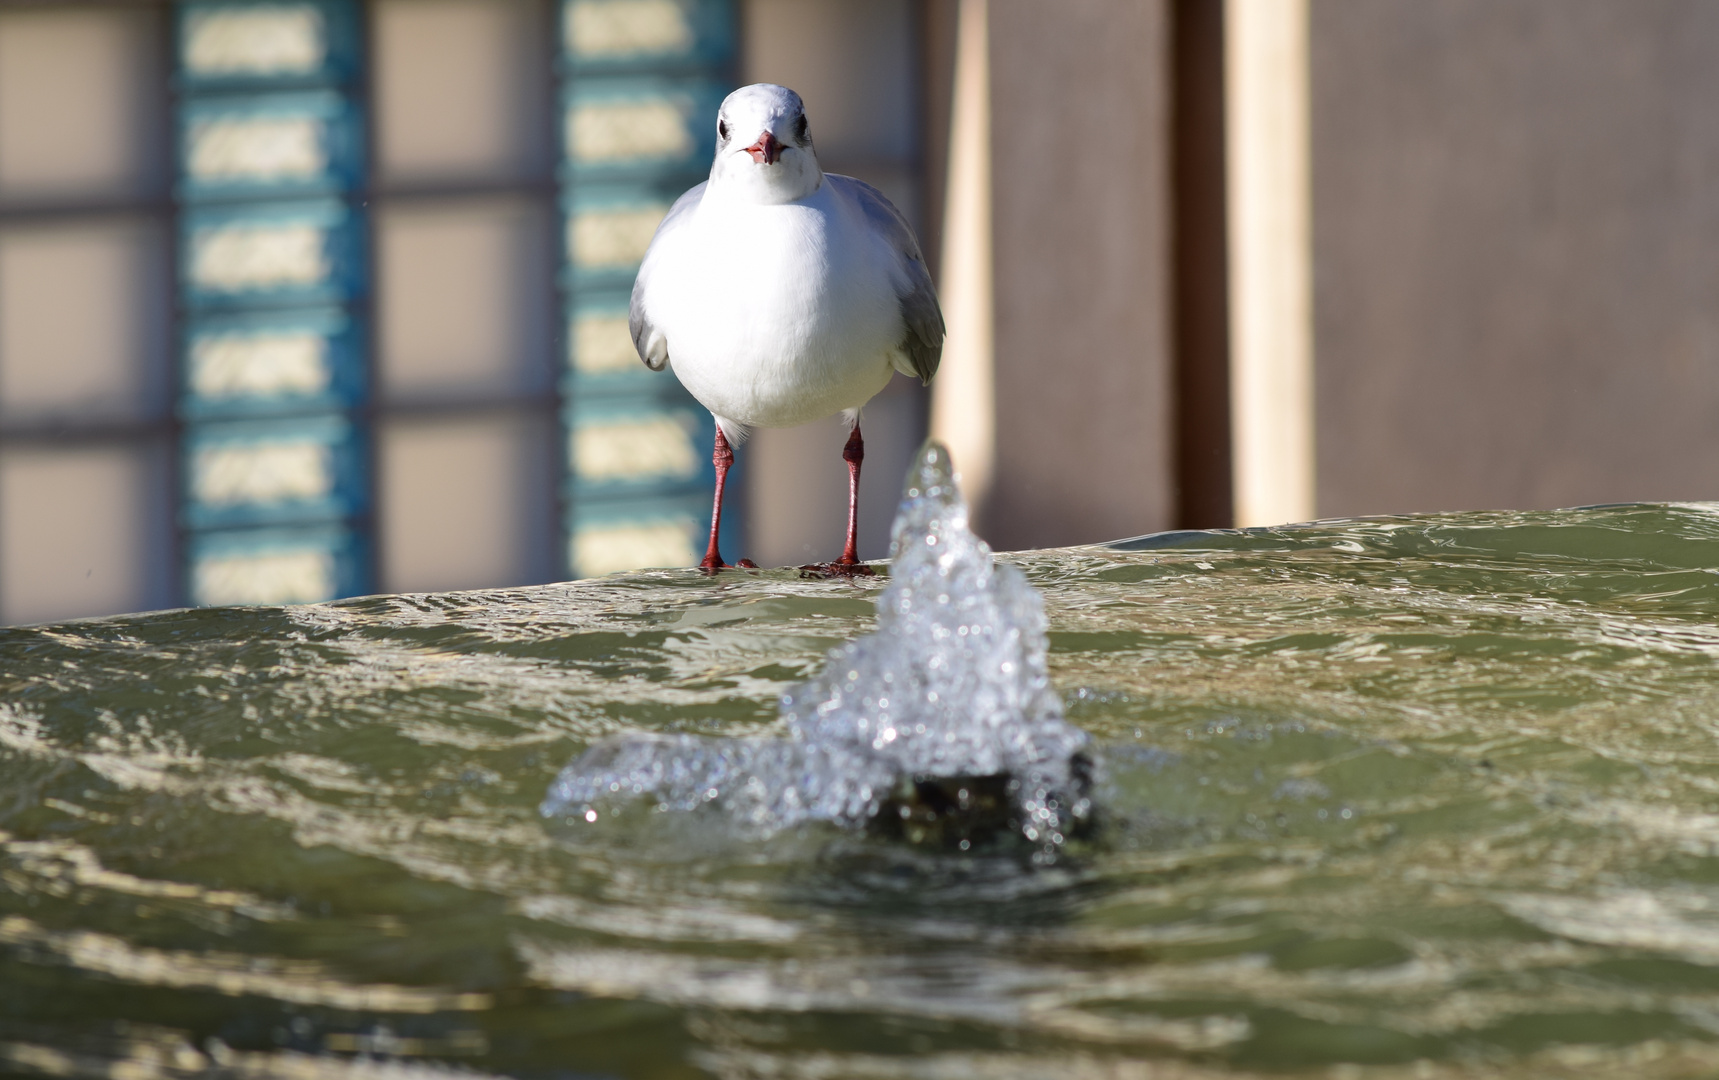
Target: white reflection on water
<point>967,988</point>
<point>1683,924</point>
<point>169,1056</point>
<point>59,867</point>
<point>1683,1059</point>
<point>302,982</point>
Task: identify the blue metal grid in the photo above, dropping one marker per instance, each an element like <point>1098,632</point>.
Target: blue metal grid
<point>273,270</point>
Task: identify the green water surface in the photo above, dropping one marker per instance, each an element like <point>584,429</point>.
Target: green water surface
<point>1411,797</point>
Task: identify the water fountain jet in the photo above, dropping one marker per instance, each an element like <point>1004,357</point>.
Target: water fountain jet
<point>940,727</point>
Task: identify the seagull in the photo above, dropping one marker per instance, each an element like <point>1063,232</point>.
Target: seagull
<point>782,293</point>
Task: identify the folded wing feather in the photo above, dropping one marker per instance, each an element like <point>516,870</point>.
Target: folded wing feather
<point>648,339</point>
<point>923,342</point>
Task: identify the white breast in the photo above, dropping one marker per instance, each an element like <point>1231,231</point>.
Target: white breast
<point>777,314</point>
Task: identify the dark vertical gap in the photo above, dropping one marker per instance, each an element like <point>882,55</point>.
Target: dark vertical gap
<point>1200,266</point>
<point>738,497</point>
<point>369,416</point>
<point>932,26</point>
<point>179,581</point>
<point>934,44</point>
<point>558,566</point>
<point>937,26</point>
<point>566,510</point>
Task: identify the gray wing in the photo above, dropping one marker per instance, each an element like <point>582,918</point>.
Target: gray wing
<point>923,342</point>
<point>652,346</point>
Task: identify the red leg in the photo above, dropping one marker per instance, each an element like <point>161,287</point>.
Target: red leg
<point>848,565</point>
<point>722,458</point>
<point>853,453</point>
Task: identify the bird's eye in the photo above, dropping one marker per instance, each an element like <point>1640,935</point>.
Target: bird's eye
<point>722,129</point>
<point>800,128</point>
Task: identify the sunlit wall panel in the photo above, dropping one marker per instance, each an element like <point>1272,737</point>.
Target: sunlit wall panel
<point>466,252</point>
<point>460,92</point>
<point>84,320</point>
<point>83,530</point>
<point>466,501</point>
<point>464,299</point>
<point>80,104</point>
<point>85,302</point>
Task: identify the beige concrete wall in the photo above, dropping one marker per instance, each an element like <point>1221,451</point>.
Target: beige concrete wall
<point>857,68</point>
<point>1516,210</point>
<point>1080,175</point>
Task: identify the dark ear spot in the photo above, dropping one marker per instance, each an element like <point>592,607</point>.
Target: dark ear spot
<point>721,129</point>
<point>800,128</point>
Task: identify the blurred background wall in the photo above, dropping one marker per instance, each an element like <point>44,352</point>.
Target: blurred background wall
<point>1516,210</point>
<point>302,298</point>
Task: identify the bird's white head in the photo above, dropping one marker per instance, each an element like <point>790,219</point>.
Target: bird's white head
<point>764,149</point>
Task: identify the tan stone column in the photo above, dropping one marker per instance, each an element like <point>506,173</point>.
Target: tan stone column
<point>963,403</point>
<point>1270,258</point>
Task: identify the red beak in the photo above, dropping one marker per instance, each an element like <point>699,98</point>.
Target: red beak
<point>766,150</point>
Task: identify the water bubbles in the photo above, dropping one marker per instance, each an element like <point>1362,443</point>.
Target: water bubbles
<point>960,646</point>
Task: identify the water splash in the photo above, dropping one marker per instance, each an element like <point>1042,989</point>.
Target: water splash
<point>941,724</point>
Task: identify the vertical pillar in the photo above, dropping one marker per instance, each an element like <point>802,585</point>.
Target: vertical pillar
<point>641,81</point>
<point>275,492</point>
<point>1200,285</point>
<point>1270,258</point>
<point>964,401</point>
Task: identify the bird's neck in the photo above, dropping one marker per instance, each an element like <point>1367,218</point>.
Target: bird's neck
<point>789,180</point>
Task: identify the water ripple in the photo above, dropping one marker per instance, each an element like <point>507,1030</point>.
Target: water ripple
<point>1421,797</point>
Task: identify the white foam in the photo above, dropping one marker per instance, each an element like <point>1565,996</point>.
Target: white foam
<point>952,683</point>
